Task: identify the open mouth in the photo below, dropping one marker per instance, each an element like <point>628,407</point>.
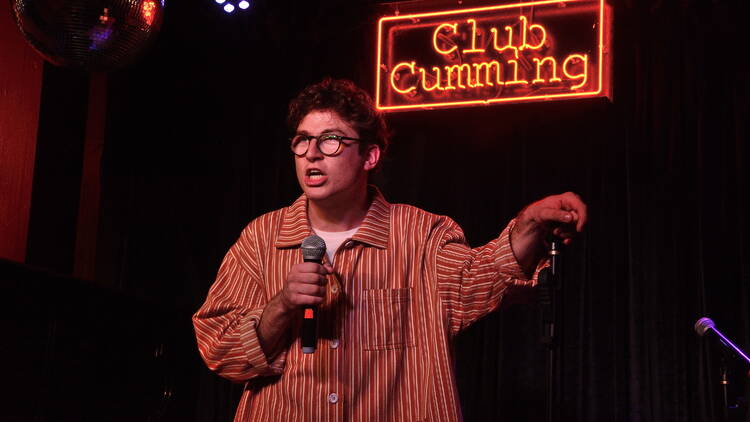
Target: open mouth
<point>314,174</point>
<point>315,177</point>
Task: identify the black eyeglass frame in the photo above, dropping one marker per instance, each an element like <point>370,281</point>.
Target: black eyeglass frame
<point>321,138</point>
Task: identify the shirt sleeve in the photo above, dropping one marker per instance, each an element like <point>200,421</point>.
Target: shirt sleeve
<point>472,282</point>
<point>225,326</point>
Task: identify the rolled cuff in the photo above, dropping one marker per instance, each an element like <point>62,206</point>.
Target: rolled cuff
<point>255,355</point>
<point>509,265</point>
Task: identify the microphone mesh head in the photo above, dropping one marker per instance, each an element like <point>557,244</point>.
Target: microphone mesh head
<point>313,248</point>
<point>702,325</point>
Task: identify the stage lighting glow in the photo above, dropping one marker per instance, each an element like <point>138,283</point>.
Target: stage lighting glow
<point>148,11</point>
<point>230,6</point>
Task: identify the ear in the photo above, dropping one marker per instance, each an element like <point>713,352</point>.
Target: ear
<point>372,157</point>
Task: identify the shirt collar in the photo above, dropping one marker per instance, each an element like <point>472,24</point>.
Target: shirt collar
<point>295,226</point>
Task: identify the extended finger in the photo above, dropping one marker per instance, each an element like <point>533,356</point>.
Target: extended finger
<point>582,218</point>
<point>553,215</point>
<point>573,203</point>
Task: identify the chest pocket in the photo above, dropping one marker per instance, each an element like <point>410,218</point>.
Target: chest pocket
<point>387,319</point>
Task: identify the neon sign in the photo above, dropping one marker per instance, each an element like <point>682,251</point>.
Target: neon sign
<point>520,52</point>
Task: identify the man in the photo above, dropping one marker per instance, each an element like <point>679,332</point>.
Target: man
<point>396,285</point>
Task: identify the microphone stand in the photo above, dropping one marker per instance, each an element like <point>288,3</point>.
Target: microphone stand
<point>732,410</point>
<point>724,388</point>
<point>550,283</point>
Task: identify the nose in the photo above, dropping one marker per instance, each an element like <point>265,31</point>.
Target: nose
<point>313,152</point>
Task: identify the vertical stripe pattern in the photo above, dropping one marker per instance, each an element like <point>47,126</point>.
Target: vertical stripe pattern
<point>403,286</point>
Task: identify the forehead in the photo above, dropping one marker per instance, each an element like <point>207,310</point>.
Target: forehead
<point>319,121</point>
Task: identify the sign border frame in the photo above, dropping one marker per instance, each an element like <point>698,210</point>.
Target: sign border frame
<point>492,101</point>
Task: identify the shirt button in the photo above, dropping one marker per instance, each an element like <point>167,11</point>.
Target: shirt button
<point>334,343</point>
<point>349,244</point>
<point>333,398</point>
<point>334,289</point>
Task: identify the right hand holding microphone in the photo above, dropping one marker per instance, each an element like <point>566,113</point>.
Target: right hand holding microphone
<point>305,285</point>
<point>304,288</point>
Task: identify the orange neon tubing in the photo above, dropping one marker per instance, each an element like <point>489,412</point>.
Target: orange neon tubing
<point>415,17</point>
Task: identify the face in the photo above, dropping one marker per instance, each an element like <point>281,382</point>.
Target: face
<point>336,179</point>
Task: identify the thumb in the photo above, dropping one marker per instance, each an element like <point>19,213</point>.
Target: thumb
<point>553,215</point>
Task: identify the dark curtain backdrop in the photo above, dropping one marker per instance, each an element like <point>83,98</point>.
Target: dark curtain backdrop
<point>196,149</point>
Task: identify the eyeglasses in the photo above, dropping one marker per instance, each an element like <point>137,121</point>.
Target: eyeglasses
<point>328,144</point>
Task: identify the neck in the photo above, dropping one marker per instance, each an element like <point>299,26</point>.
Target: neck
<point>339,216</point>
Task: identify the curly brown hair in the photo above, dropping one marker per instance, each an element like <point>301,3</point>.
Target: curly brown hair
<point>349,101</point>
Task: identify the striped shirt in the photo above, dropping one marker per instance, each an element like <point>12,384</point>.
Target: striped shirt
<point>403,286</point>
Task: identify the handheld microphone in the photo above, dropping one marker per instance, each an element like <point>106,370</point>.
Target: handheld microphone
<point>313,249</point>
<point>705,326</point>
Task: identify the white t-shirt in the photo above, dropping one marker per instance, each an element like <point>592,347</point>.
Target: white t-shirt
<point>334,240</point>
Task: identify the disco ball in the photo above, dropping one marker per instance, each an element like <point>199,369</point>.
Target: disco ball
<point>89,34</point>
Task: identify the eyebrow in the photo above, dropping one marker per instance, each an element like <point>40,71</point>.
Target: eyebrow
<point>324,131</point>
